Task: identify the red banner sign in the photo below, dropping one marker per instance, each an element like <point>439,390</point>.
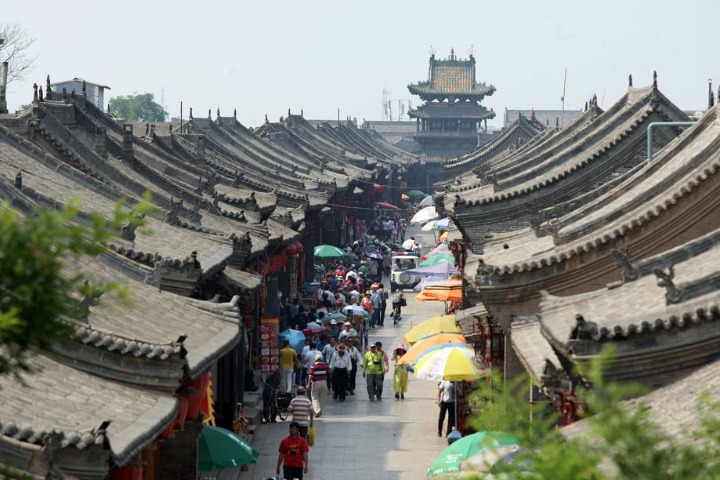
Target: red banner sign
<point>269,348</point>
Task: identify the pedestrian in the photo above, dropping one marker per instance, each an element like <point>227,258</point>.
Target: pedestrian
<point>317,382</point>
<point>301,409</point>
<point>376,299</point>
<point>446,402</point>
<point>373,368</point>
<point>400,373</point>
<point>386,362</point>
<point>307,358</point>
<point>355,361</point>
<point>288,361</point>
<point>329,349</point>
<point>384,296</point>
<point>340,368</point>
<point>271,384</point>
<point>293,454</point>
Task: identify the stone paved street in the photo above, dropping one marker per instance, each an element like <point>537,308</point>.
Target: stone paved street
<point>357,439</point>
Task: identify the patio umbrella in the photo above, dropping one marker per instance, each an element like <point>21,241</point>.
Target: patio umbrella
<point>443,223</point>
<point>451,364</point>
<point>424,345</point>
<point>415,194</point>
<point>442,248</point>
<point>439,258</point>
<point>408,244</point>
<point>431,326</point>
<point>326,252</point>
<point>404,197</point>
<point>389,206</point>
<point>295,337</point>
<point>443,237</point>
<point>443,269</point>
<point>220,448</point>
<point>428,226</point>
<point>427,201</point>
<point>429,295</point>
<point>451,461</point>
<point>424,215</point>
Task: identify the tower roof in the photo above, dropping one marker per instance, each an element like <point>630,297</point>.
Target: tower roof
<point>451,78</point>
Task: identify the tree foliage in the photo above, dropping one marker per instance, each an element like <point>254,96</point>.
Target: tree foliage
<point>138,107</point>
<point>622,444</point>
<point>36,297</point>
<point>15,50</point>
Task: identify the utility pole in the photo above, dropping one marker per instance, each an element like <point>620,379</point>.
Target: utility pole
<point>562,99</point>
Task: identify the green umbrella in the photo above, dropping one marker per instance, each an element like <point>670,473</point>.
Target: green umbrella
<point>326,252</point>
<point>439,258</point>
<point>415,194</point>
<point>449,462</point>
<point>220,448</point>
<point>336,316</point>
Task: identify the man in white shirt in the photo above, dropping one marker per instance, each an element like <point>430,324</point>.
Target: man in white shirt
<point>340,368</point>
<point>355,360</point>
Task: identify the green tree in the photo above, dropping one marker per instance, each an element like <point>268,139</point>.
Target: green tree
<point>37,299</point>
<point>622,440</point>
<point>138,107</point>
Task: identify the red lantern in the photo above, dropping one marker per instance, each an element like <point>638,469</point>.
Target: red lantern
<point>291,249</point>
<point>299,247</point>
<point>194,399</point>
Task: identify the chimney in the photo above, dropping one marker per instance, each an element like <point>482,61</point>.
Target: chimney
<point>127,145</point>
<point>100,146</point>
<point>3,87</point>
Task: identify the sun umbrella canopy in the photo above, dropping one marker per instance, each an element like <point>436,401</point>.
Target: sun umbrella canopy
<point>337,316</point>
<point>431,326</point>
<point>439,296</point>
<point>451,461</point>
<point>439,258</point>
<point>429,226</point>
<point>451,364</point>
<point>439,340</point>
<point>441,270</point>
<point>415,194</point>
<point>404,197</point>
<point>427,201</point>
<point>355,310</point>
<point>325,252</point>
<point>314,327</point>
<point>424,215</point>
<point>295,337</point>
<point>220,448</point>
<point>443,237</point>
<point>442,224</point>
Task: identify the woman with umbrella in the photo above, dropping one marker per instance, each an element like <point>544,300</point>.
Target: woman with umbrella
<point>400,373</point>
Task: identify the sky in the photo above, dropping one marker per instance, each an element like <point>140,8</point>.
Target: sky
<point>325,57</point>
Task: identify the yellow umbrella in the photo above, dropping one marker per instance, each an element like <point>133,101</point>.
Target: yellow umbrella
<point>451,364</point>
<point>428,342</point>
<point>431,326</point>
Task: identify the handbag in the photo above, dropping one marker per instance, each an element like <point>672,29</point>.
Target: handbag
<point>311,436</point>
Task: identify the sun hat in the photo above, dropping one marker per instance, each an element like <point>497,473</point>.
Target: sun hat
<point>348,324</point>
<point>333,322</point>
<point>318,356</point>
<point>341,348</point>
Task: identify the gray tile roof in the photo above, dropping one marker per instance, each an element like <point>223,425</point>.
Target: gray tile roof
<point>62,399</point>
<point>533,349</point>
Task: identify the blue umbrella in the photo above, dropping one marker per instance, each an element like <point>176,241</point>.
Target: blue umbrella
<point>444,268</point>
<point>296,339</point>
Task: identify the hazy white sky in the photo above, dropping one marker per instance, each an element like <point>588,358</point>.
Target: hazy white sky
<point>264,57</point>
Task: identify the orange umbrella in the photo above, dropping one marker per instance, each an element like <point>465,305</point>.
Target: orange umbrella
<point>443,295</point>
<point>404,197</point>
<point>420,347</point>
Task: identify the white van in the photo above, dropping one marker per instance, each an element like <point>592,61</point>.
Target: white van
<point>399,279</point>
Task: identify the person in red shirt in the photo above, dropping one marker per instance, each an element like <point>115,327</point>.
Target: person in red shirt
<point>293,454</point>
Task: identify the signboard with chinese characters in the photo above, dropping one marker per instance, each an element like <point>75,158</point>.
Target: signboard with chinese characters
<point>269,348</point>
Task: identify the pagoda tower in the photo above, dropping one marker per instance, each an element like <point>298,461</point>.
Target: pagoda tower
<point>450,121</point>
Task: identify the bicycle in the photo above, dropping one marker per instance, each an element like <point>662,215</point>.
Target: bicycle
<point>280,404</point>
<point>395,314</point>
